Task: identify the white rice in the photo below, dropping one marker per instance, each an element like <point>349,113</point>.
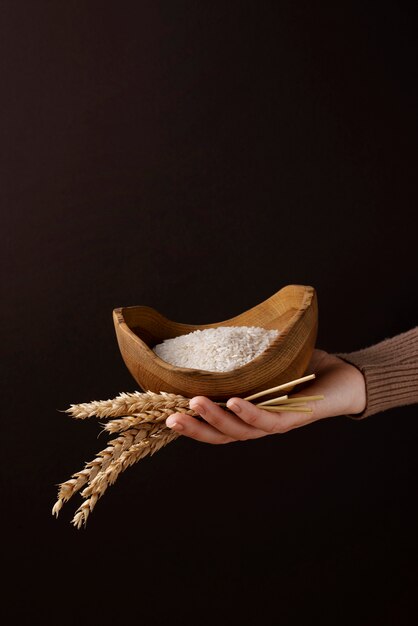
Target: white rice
<point>220,349</point>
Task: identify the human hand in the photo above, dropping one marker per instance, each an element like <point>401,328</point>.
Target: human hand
<point>342,385</point>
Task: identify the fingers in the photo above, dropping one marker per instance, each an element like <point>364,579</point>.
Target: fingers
<point>191,427</point>
<point>268,422</point>
<point>273,422</point>
<point>219,426</point>
<point>224,421</point>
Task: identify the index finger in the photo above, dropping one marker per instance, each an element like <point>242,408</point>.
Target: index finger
<point>268,421</point>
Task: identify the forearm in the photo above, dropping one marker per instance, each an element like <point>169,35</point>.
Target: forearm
<point>390,370</point>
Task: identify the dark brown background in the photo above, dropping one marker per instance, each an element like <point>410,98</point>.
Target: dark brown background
<point>196,157</point>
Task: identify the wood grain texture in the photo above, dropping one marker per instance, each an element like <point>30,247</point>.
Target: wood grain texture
<point>292,310</point>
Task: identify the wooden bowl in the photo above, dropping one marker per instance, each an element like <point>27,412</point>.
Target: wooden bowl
<point>293,311</point>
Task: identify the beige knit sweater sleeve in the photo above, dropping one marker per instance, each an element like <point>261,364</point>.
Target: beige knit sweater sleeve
<point>390,369</point>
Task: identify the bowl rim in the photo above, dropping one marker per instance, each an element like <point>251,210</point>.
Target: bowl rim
<point>307,300</point>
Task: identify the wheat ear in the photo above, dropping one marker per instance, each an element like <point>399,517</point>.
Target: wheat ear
<point>134,421</point>
<point>140,426</point>
<point>107,477</point>
<point>114,449</point>
<point>126,404</point>
<point>134,429</point>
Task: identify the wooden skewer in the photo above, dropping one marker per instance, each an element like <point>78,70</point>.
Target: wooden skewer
<point>287,400</point>
<point>291,383</point>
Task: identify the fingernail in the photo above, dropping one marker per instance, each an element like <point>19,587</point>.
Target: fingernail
<point>234,406</point>
<point>172,423</point>
<point>198,408</point>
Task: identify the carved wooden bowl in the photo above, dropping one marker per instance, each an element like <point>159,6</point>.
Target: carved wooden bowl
<point>292,310</point>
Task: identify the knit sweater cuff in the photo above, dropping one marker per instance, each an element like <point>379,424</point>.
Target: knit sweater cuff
<point>390,370</point>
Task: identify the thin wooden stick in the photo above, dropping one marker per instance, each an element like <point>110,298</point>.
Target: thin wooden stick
<point>280,398</point>
<point>291,383</point>
<point>287,400</point>
<point>286,407</point>
<point>272,401</point>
